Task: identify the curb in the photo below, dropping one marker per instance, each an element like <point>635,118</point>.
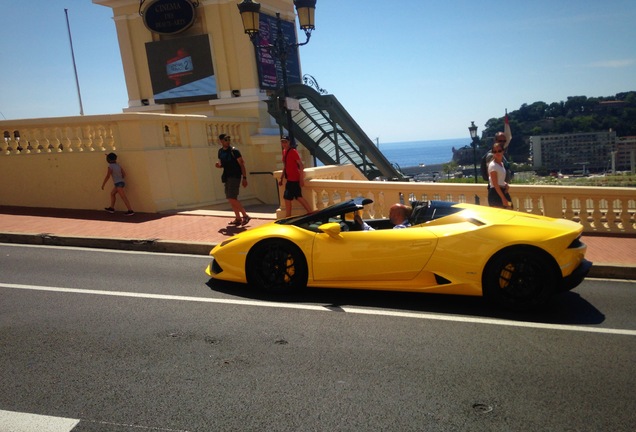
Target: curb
<point>600,271</point>
<point>612,271</point>
<point>140,245</point>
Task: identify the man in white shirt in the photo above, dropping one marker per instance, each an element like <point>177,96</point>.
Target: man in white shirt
<point>399,215</point>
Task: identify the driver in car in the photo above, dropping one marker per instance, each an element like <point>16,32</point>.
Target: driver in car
<point>399,215</point>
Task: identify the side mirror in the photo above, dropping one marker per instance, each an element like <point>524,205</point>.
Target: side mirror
<point>331,228</point>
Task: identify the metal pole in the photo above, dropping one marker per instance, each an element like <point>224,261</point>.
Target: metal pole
<point>475,166</point>
<point>475,158</point>
<point>79,95</point>
<point>282,55</point>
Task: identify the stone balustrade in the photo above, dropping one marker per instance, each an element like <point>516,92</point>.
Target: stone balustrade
<point>598,209</point>
<point>44,138</point>
<point>169,160</point>
<point>106,133</point>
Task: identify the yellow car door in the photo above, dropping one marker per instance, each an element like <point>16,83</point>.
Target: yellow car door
<point>388,254</point>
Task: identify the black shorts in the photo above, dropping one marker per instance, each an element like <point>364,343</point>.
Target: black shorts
<point>494,200</point>
<point>292,190</point>
<point>232,186</point>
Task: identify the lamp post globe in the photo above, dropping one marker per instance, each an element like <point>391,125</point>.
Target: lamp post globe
<point>250,12</point>
<point>306,10</point>
<point>473,130</point>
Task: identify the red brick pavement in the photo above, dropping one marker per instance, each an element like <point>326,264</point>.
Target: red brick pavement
<point>146,226</point>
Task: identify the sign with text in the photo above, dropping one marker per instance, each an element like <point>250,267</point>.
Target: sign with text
<point>169,16</point>
<point>269,68</point>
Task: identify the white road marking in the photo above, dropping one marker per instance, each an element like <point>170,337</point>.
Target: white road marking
<point>352,310</point>
<point>13,421</point>
<point>23,422</point>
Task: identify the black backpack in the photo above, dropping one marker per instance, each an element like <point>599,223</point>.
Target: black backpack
<point>485,160</point>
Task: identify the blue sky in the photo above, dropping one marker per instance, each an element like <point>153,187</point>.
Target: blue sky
<point>406,71</point>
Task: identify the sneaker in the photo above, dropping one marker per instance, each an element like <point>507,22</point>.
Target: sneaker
<point>110,209</point>
<point>236,222</point>
<point>129,213</point>
<point>246,220</point>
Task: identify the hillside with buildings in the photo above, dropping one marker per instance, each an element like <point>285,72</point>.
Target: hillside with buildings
<point>579,134</point>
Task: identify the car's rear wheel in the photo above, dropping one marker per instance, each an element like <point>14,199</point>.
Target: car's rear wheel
<point>519,278</point>
<point>277,266</point>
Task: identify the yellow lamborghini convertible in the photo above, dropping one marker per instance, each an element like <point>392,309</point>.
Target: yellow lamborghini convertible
<point>515,259</point>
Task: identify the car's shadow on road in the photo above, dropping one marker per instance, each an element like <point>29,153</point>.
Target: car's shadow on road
<point>564,308</point>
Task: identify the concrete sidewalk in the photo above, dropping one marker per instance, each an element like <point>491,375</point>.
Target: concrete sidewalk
<point>196,232</point>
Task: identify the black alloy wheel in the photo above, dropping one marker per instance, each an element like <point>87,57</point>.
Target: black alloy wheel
<point>277,266</point>
<point>520,278</point>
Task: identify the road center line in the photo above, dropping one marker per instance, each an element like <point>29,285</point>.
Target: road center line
<point>352,310</point>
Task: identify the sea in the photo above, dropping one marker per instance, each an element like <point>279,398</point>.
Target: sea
<point>422,153</point>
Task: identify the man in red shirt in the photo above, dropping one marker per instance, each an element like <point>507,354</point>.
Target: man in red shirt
<point>293,172</point>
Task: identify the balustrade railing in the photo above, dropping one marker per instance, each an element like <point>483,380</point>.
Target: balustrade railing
<point>35,139</point>
<point>598,209</point>
<point>104,133</point>
<point>169,158</point>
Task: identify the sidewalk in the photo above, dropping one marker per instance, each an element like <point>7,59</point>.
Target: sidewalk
<point>197,231</point>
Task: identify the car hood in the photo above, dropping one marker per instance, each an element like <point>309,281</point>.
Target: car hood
<point>531,221</point>
<point>482,215</point>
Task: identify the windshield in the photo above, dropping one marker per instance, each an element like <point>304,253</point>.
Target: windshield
<point>423,211</point>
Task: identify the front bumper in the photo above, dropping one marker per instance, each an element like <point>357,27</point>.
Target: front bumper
<point>213,268</point>
<point>576,277</point>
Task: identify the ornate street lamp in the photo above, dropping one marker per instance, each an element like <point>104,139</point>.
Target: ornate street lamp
<point>250,12</point>
<point>305,10</point>
<point>473,135</point>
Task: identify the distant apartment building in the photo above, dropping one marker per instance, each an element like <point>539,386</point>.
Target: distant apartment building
<point>626,154</point>
<point>579,152</point>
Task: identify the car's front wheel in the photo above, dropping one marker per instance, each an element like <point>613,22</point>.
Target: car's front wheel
<point>519,278</point>
<point>277,266</point>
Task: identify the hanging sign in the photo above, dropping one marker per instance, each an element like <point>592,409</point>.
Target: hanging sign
<point>169,16</point>
<point>268,66</point>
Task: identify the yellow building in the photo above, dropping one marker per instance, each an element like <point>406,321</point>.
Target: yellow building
<point>232,55</point>
<point>213,28</point>
<point>185,87</point>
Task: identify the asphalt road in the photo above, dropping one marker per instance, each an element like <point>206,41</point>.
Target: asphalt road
<point>121,341</point>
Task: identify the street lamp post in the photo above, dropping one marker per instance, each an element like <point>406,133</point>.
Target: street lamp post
<point>473,135</point>
<point>250,12</point>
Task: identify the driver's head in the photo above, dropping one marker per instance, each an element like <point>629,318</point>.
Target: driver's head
<point>399,213</point>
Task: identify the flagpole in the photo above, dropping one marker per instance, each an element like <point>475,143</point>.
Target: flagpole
<point>79,94</point>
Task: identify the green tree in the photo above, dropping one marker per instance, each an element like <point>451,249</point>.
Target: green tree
<point>555,109</point>
<point>537,130</point>
<point>533,112</point>
<point>576,105</point>
<point>584,124</point>
<point>449,168</point>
